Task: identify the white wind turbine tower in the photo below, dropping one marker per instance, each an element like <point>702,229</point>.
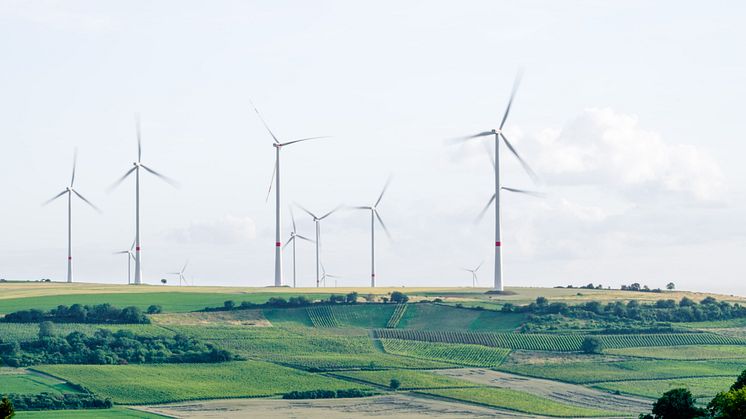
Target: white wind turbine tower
<point>294,236</point>
<point>136,169</point>
<point>130,257</point>
<point>473,274</point>
<point>317,222</point>
<point>498,134</point>
<point>70,191</point>
<point>276,177</point>
<point>373,217</point>
<point>182,278</point>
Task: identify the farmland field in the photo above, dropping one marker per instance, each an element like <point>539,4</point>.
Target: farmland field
<point>114,413</point>
<point>459,353</point>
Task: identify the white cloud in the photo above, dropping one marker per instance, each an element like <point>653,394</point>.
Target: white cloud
<point>225,231</point>
<point>603,147</point>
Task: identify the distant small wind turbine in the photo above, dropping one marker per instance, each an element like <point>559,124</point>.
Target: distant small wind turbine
<point>498,133</point>
<point>317,221</point>
<point>474,281</point>
<point>325,275</point>
<point>182,278</point>
<point>293,238</point>
<point>373,216</point>
<point>70,191</point>
<point>276,177</point>
<point>130,257</point>
<point>136,169</point>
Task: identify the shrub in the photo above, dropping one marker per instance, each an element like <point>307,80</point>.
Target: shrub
<point>677,404</point>
<point>6,408</point>
<point>155,309</point>
<point>394,384</point>
<point>399,297</point>
<point>591,345</point>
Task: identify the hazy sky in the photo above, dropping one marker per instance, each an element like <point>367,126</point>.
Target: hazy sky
<point>631,112</point>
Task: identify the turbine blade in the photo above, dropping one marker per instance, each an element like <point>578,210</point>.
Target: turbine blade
<point>306,211</point>
<point>121,179</point>
<point>304,238</point>
<point>271,181</point>
<point>133,245</point>
<point>526,167</point>
<point>385,186</point>
<point>523,191</point>
<point>479,266</point>
<point>486,207</point>
<point>55,197</point>
<point>75,163</point>
<point>460,140</point>
<point>120,253</point>
<point>516,83</point>
<point>292,218</point>
<point>264,123</point>
<point>490,154</point>
<point>330,212</point>
<point>86,201</point>
<point>185,266</point>
<point>139,138</point>
<point>172,273</point>
<point>288,242</point>
<point>167,179</point>
<point>386,229</point>
<point>304,139</point>
<point>361,208</point>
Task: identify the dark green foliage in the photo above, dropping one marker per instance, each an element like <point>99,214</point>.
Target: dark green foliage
<point>326,394</point>
<point>740,381</point>
<point>76,313</point>
<point>273,302</point>
<point>49,401</point>
<point>677,404</point>
<point>729,405</point>
<point>46,329</point>
<point>337,299</point>
<point>229,305</point>
<point>7,410</point>
<point>399,297</point>
<point>155,309</point>
<point>351,297</point>
<point>394,384</point>
<point>105,347</point>
<point>591,345</point>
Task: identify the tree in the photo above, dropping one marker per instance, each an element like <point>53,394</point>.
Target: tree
<point>670,286</point>
<point>352,297</point>
<point>399,297</point>
<point>591,345</point>
<point>6,409</point>
<point>155,309</point>
<point>677,404</point>
<point>507,308</point>
<point>229,305</point>
<point>394,384</point>
<point>46,330</point>
<point>541,301</point>
<point>729,405</point>
<point>740,381</point>
<point>164,281</point>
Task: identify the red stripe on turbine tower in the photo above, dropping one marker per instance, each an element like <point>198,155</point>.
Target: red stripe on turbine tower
<point>278,244</point>
<point>69,258</point>
<point>498,244</point>
<point>137,248</point>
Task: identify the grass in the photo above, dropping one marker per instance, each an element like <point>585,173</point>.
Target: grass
<point>144,384</point>
<point>518,400</point>
<point>471,355</point>
<point>396,316</point>
<point>410,380</point>
<point>694,352</point>
<point>589,372</point>
<point>445,317</point>
<point>323,316</point>
<point>701,387</point>
<point>30,331</point>
<point>24,382</point>
<point>114,413</point>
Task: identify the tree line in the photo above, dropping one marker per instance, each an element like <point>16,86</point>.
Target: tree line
<point>78,313</point>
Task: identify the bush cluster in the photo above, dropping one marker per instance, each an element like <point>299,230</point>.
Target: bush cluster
<point>77,313</point>
<point>327,394</point>
<point>279,302</point>
<point>106,347</point>
<point>48,401</point>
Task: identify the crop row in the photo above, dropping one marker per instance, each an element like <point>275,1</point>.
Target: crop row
<point>457,353</point>
<point>396,316</point>
<point>551,342</point>
<point>323,316</point>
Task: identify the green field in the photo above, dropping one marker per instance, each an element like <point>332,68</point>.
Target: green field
<point>409,379</point>
<point>21,381</point>
<point>518,400</point>
<point>114,413</point>
<point>701,387</point>
<point>694,352</point>
<point>470,355</point>
<point>143,384</point>
<point>30,331</point>
<point>445,317</point>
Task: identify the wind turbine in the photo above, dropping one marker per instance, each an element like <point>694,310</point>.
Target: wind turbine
<point>276,177</point>
<point>325,275</point>
<point>317,221</point>
<point>293,237</point>
<point>130,257</point>
<point>70,191</point>
<point>136,169</point>
<point>473,274</point>
<point>373,217</point>
<point>498,134</point>
<point>182,278</point>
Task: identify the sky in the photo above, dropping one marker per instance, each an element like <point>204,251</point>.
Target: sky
<point>629,111</point>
